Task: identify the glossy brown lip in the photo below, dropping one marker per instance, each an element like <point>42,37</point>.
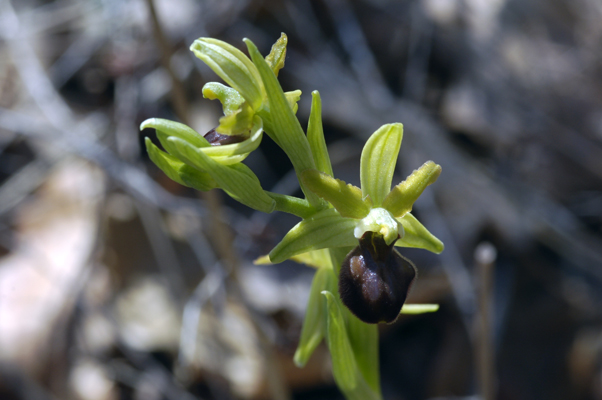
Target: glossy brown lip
<point>375,280</point>
<point>218,139</point>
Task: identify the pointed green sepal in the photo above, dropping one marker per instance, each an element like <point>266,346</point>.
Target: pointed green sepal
<point>315,136</point>
<point>416,235</point>
<point>177,171</point>
<point>314,323</point>
<point>344,364</point>
<point>322,230</point>
<point>231,100</point>
<point>166,129</point>
<point>400,200</point>
<point>419,308</point>
<point>278,53</point>
<point>232,66</point>
<point>346,198</point>
<point>378,160</point>
<point>237,179</point>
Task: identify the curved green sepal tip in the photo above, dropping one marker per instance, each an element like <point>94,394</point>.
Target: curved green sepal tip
<point>237,179</point>
<point>314,323</point>
<point>166,129</point>
<point>322,230</point>
<point>278,53</point>
<point>346,198</point>
<point>232,66</point>
<point>400,200</point>
<point>416,235</point>
<point>378,160</point>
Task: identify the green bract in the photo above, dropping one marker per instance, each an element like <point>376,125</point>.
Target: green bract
<point>334,215</point>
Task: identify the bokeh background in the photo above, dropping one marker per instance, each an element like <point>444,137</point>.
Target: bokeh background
<point>116,283</point>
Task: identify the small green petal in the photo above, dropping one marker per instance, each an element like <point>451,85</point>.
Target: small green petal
<point>378,160</point>
<point>166,129</point>
<point>315,136</point>
<point>237,179</point>
<point>277,55</point>
<point>416,235</point>
<point>419,308</point>
<point>324,229</point>
<point>237,123</point>
<point>314,323</point>
<point>232,66</point>
<point>177,171</point>
<point>293,98</point>
<point>400,200</point>
<point>231,100</point>
<point>344,364</point>
<point>346,198</point>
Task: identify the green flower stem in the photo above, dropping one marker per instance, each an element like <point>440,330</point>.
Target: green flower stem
<point>292,205</point>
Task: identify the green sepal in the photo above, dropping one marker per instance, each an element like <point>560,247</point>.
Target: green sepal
<point>237,179</point>
<point>177,171</point>
<point>237,123</point>
<point>293,98</point>
<point>416,235</point>
<point>344,365</point>
<point>282,124</point>
<point>414,309</point>
<point>346,198</point>
<point>315,136</point>
<point>401,198</point>
<point>322,230</point>
<point>314,323</point>
<point>378,160</point>
<point>236,152</point>
<point>231,100</point>
<point>232,66</point>
<point>166,129</point>
<point>278,53</point>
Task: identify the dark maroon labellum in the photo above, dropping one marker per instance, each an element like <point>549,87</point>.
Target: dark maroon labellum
<point>218,139</point>
<point>375,280</point>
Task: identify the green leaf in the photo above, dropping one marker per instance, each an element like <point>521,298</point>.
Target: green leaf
<point>237,179</point>
<point>322,230</point>
<point>315,136</point>
<point>277,55</point>
<point>283,125</point>
<point>416,235</point>
<point>231,100</point>
<point>177,171</point>
<point>364,343</point>
<point>166,129</point>
<point>400,200</point>
<point>314,324</point>
<point>232,66</point>
<point>344,365</point>
<point>346,198</point>
<point>378,160</point>
<point>419,308</point>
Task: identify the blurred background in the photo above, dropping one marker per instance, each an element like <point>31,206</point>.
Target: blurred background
<point>117,283</point>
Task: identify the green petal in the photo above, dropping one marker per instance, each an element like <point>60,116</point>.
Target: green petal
<point>344,365</point>
<point>315,136</point>
<point>324,229</point>
<point>281,122</point>
<point>419,308</point>
<point>232,66</point>
<point>237,179</point>
<point>400,200</point>
<point>231,100</point>
<point>314,323</point>
<point>177,171</point>
<point>346,198</point>
<point>237,123</point>
<point>378,161</point>
<point>293,98</point>
<point>166,129</point>
<point>416,235</point>
<point>277,55</point>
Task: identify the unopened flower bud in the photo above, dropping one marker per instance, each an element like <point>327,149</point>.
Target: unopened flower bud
<point>375,280</point>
